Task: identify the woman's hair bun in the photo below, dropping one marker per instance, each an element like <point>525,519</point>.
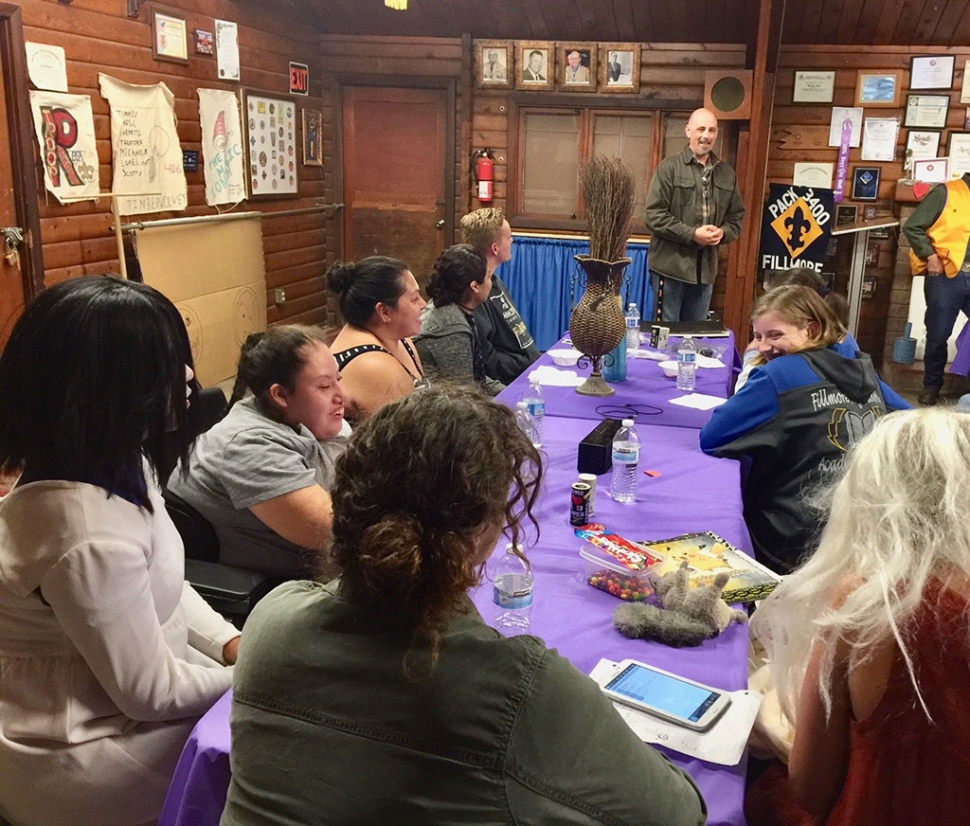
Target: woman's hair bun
<point>340,277</point>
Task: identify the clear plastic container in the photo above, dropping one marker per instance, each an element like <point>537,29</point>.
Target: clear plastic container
<point>609,574</point>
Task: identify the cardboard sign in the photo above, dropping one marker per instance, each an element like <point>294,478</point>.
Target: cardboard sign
<point>299,79</point>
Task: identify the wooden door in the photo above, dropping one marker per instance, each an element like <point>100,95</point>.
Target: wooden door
<point>21,271</point>
<point>394,165</point>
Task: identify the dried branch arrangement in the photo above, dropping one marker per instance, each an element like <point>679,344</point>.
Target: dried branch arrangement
<point>608,192</point>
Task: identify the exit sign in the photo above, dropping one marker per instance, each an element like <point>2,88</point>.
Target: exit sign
<point>299,79</point>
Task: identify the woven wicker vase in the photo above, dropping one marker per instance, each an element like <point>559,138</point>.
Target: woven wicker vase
<point>597,324</point>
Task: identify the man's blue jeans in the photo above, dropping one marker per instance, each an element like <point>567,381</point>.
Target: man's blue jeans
<point>682,301</point>
<point>945,297</point>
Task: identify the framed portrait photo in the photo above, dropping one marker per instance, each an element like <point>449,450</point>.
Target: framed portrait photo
<point>535,65</point>
<point>932,72</point>
<point>865,183</point>
<point>312,137</point>
<point>493,64</point>
<point>576,67</point>
<point>169,37</point>
<point>877,89</point>
<point>271,140</point>
<point>619,68</point>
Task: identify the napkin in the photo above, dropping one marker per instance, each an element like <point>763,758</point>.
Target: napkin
<point>723,743</point>
<point>699,401</point>
<point>550,376</point>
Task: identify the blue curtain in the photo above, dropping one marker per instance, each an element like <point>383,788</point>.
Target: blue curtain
<point>547,283</point>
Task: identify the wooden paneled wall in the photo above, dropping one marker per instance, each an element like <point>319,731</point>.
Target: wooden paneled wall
<point>883,315</point>
<point>98,36</point>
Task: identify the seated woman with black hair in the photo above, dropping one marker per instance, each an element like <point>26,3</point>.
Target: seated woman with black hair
<point>381,304</point>
<point>107,656</point>
<point>261,475</point>
<point>383,697</point>
<point>449,342</point>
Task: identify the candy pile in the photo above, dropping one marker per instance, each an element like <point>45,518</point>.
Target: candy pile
<point>630,588</point>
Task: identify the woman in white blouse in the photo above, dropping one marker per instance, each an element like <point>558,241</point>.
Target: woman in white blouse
<point>108,657</point>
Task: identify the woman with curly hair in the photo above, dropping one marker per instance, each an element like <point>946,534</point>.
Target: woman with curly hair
<point>383,697</point>
<point>870,639</point>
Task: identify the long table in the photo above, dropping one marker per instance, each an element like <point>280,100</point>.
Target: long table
<point>693,492</point>
<point>645,386</point>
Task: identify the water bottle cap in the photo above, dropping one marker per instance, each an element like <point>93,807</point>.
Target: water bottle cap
<point>522,405</point>
<point>628,422</point>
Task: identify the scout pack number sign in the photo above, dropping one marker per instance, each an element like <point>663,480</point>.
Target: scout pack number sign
<point>796,227</point>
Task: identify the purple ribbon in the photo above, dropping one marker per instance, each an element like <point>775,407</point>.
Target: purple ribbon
<point>843,167</point>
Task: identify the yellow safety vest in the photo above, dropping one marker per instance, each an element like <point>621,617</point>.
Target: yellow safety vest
<point>951,232</point>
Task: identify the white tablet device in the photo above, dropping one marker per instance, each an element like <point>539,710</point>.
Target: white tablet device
<point>666,695</point>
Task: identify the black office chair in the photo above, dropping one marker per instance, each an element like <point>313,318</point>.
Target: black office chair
<point>231,591</point>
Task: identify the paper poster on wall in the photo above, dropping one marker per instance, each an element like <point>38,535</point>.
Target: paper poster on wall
<point>222,147</point>
<point>65,131</point>
<point>227,49</point>
<point>46,66</point>
<point>145,150</point>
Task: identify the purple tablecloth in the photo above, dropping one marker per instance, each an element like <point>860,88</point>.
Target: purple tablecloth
<point>693,493</point>
<point>645,384</point>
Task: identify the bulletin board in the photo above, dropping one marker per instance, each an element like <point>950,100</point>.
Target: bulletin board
<point>213,271</point>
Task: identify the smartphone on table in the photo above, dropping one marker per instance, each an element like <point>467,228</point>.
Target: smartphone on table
<point>665,695</point>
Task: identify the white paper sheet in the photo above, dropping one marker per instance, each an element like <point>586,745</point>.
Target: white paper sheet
<point>699,401</point>
<point>723,743</point>
<point>46,66</point>
<point>227,49</point>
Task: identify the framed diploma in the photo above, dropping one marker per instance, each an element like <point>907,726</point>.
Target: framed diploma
<point>875,89</point>
<point>813,87</point>
<point>922,144</point>
<point>865,183</point>
<point>958,154</point>
<point>927,111</point>
<point>932,72</point>
<point>879,139</point>
<point>932,171</point>
<point>965,91</point>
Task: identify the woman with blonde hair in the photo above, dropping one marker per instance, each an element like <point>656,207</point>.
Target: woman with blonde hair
<point>796,417</point>
<point>383,697</point>
<point>870,639</point>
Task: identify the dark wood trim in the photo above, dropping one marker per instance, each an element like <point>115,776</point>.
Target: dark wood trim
<point>337,142</point>
<point>22,161</point>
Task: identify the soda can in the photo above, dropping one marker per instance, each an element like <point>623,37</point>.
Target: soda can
<point>579,504</point>
<point>655,335</point>
<point>590,479</point>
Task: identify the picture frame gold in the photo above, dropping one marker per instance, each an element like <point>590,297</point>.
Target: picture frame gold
<point>312,137</point>
<point>878,89</point>
<point>535,65</point>
<point>169,37</point>
<point>576,67</point>
<point>498,73</point>
<point>627,79</point>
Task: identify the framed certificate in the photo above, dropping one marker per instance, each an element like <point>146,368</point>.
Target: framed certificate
<point>932,72</point>
<point>875,89</point>
<point>813,87</point>
<point>958,154</point>
<point>927,111</point>
<point>865,183</point>
<point>922,144</point>
<point>932,171</point>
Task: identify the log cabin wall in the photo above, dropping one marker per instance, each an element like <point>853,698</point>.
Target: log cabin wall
<point>795,128</point>
<point>98,36</point>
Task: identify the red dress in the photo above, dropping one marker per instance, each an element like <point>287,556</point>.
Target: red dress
<point>905,770</point>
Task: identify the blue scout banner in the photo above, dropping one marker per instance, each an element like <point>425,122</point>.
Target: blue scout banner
<point>796,227</point>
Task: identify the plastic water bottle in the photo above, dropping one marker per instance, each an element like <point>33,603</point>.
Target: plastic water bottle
<point>632,330</point>
<point>512,593</point>
<point>963,404</point>
<point>614,363</point>
<point>626,459</point>
<point>686,364</point>
<point>524,420</point>
<point>536,402</point>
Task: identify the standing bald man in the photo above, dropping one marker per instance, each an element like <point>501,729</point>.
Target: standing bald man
<point>693,207</point>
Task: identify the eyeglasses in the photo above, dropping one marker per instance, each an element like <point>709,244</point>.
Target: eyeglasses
<point>627,411</point>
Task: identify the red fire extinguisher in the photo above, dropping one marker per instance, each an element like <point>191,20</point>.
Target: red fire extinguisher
<point>484,174</point>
